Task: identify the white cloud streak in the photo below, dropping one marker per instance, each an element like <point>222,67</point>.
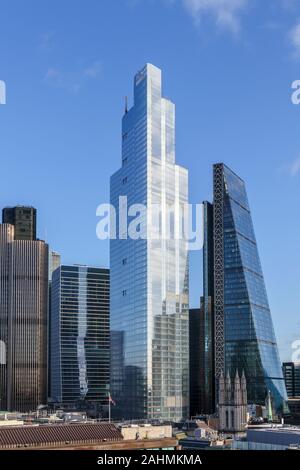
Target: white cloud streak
<point>225,13</point>
<point>294,168</point>
<point>294,37</point>
<point>72,82</point>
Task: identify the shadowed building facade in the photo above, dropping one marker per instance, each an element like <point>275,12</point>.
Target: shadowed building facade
<point>23,218</point>
<point>197,361</point>
<point>291,373</point>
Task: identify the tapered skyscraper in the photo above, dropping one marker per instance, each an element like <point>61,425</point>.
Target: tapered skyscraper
<point>149,275</point>
<point>244,333</point>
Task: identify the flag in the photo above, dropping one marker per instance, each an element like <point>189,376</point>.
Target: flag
<point>111,400</point>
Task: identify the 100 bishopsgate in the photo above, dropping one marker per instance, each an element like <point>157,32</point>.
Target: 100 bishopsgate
<point>149,276</point>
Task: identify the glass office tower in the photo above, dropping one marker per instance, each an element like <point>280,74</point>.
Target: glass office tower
<point>80,339</point>
<point>244,334</point>
<point>291,374</point>
<point>149,275</point>
<point>208,387</point>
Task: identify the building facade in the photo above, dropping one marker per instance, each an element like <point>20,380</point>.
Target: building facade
<point>23,218</point>
<point>291,373</point>
<point>23,321</point>
<point>244,333</point>
<point>54,263</point>
<point>208,386</point>
<point>196,341</point>
<point>80,339</point>
<point>149,273</point>
<point>232,403</point>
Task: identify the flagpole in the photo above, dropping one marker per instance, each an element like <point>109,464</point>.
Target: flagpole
<point>109,410</point>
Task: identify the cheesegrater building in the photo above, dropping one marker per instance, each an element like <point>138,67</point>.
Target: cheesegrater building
<point>244,334</point>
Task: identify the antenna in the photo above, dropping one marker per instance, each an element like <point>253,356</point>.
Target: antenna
<point>126,104</point>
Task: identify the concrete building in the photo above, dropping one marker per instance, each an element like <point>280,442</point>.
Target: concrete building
<point>23,320</point>
<point>232,403</point>
<point>23,218</point>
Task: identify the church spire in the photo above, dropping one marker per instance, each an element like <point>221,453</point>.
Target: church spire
<point>237,389</point>
<point>244,389</point>
<point>221,389</point>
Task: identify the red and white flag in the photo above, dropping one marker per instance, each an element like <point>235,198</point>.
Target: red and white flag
<point>111,400</point>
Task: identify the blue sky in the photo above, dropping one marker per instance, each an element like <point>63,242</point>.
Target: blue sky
<point>227,64</point>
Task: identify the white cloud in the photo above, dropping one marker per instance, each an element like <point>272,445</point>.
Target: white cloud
<point>94,70</point>
<point>226,13</point>
<point>294,37</point>
<point>53,76</point>
<point>47,41</point>
<point>73,81</point>
<point>294,168</point>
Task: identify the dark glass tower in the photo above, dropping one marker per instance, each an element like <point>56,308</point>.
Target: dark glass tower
<point>80,339</point>
<point>244,334</point>
<point>23,218</point>
<point>291,373</point>
<point>196,341</point>
<point>208,309</point>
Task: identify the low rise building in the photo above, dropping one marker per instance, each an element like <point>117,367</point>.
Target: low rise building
<point>269,438</point>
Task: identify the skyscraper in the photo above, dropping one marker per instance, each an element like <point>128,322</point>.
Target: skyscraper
<point>23,218</point>
<point>208,386</point>
<point>80,339</point>
<point>197,361</point>
<point>244,334</point>
<point>291,373</point>
<point>149,275</point>
<point>23,321</point>
<point>54,263</point>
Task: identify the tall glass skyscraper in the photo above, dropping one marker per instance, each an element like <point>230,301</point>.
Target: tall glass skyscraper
<point>244,333</point>
<point>80,339</point>
<point>149,275</point>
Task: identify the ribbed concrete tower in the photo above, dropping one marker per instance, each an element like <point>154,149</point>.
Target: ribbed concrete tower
<point>23,321</point>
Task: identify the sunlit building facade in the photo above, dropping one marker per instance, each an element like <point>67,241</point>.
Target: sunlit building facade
<point>149,274</point>
<point>23,321</point>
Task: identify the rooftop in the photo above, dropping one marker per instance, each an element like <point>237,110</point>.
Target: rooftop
<point>62,434</point>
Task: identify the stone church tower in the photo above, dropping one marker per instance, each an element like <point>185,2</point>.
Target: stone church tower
<point>232,403</point>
